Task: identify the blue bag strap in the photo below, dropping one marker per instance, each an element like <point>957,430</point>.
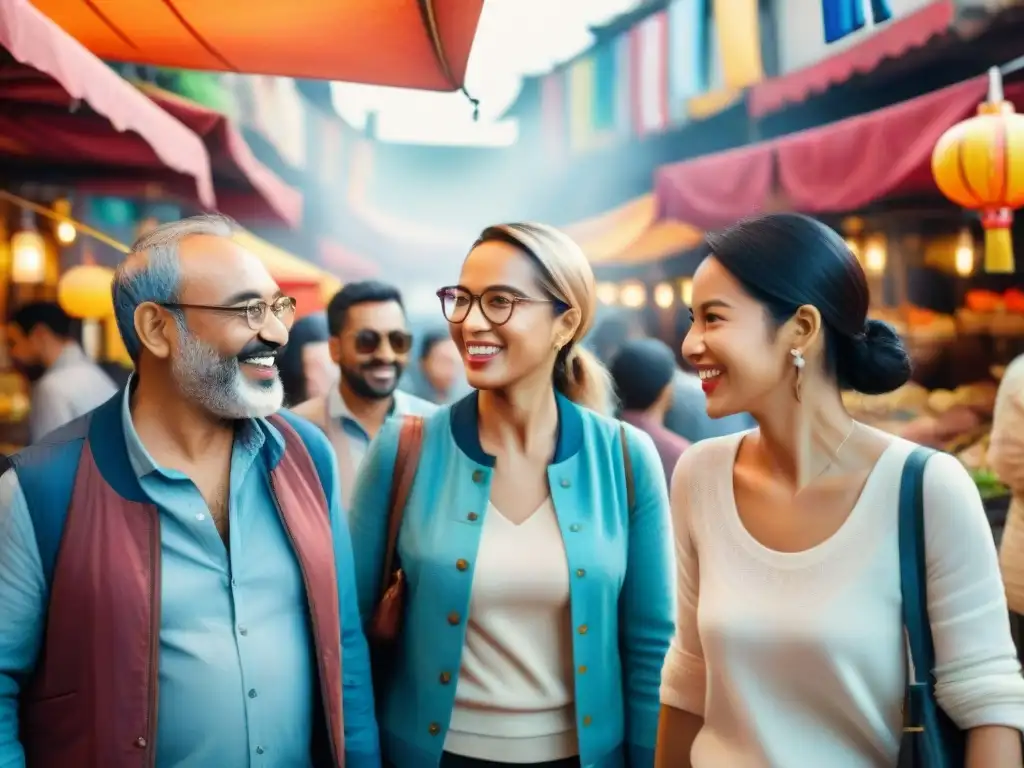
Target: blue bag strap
<point>914,584</point>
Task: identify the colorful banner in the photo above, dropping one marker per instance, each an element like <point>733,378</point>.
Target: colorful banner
<point>580,82</point>
<point>843,17</point>
<point>552,113</point>
<point>651,58</point>
<point>738,27</point>
<point>688,54</point>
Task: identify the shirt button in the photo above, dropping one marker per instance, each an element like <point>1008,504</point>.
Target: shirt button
<point>575,527</point>
<point>434,729</point>
<point>140,742</point>
<point>445,678</point>
<point>259,750</point>
<point>564,482</point>
<point>580,572</point>
<point>587,720</point>
<point>582,669</point>
<point>243,631</point>
<point>453,618</point>
<point>478,476</point>
<point>200,517</point>
<point>582,629</point>
<point>472,517</point>
<point>234,583</point>
<point>461,564</point>
<point>252,693</point>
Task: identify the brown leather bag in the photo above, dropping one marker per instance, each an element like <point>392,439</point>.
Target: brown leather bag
<point>387,618</point>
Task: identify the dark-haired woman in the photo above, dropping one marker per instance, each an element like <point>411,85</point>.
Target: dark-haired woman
<point>539,604</point>
<point>789,647</point>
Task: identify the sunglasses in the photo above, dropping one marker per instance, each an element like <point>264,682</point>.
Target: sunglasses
<point>368,341</point>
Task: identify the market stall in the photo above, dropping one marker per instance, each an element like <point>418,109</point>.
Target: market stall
<point>929,264</point>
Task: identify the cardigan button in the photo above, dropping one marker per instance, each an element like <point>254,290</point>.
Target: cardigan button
<point>140,742</point>
<point>472,517</point>
<point>582,669</point>
<point>434,729</point>
<point>575,527</point>
<point>582,629</point>
<point>580,573</point>
<point>587,720</point>
<point>454,618</point>
<point>462,564</point>
<point>564,482</point>
<point>445,678</point>
<point>478,476</point>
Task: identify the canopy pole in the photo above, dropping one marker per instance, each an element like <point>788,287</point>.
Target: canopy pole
<point>49,213</point>
<point>430,24</point>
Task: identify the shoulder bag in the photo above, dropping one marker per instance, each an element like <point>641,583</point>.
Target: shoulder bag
<point>930,738</point>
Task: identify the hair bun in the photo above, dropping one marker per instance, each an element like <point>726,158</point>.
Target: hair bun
<point>873,363</point>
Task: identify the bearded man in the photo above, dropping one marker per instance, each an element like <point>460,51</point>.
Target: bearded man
<point>370,343</point>
<point>183,547</point>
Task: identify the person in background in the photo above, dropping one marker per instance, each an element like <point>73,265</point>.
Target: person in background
<point>1006,457</point>
<point>67,384</point>
<point>370,343</point>
<point>642,371</point>
<point>305,362</point>
<point>176,583</point>
<point>539,587</point>
<point>687,415</point>
<point>790,644</point>
<point>440,369</point>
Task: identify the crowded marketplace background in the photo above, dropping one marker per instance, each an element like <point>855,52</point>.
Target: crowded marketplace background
<point>248,239</point>
<point>635,125</point>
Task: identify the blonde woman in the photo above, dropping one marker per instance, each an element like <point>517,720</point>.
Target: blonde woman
<point>540,601</point>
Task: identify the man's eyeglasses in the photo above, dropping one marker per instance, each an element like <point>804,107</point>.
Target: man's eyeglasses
<point>496,304</point>
<point>368,341</point>
<point>255,311</point>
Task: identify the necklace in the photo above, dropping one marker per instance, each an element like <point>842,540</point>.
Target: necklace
<point>835,455</point>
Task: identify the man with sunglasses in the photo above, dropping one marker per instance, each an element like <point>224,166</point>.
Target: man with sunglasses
<point>370,343</point>
<point>183,546</point>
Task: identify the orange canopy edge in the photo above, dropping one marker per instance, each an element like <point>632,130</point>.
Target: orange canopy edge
<point>381,42</point>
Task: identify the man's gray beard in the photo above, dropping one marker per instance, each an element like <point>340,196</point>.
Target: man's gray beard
<point>218,384</point>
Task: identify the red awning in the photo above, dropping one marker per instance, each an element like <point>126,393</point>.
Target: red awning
<point>128,130</point>
<point>888,42</point>
<point>384,42</point>
<point>246,189</point>
<point>715,190</point>
<point>881,154</point>
<point>835,168</point>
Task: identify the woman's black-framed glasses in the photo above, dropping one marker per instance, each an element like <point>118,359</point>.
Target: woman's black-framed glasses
<point>255,311</point>
<point>496,304</point>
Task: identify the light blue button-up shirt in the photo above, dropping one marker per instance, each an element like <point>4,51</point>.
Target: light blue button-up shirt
<point>237,667</point>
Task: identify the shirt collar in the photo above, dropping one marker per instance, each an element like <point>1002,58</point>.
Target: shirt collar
<point>70,355</point>
<point>251,435</point>
<point>337,408</point>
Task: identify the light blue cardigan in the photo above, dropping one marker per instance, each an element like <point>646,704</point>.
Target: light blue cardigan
<point>622,578</point>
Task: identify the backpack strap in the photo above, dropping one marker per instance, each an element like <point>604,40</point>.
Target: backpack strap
<point>410,445</point>
<point>627,465</point>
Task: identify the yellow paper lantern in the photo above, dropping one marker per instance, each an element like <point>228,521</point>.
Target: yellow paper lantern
<point>84,292</point>
<point>979,164</point>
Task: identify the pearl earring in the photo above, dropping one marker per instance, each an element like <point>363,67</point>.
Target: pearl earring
<point>798,358</point>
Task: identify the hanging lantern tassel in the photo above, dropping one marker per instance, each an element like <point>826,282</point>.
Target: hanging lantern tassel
<point>998,240</point>
<point>977,164</point>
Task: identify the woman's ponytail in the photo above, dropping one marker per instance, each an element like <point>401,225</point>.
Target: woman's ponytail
<point>581,377</point>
